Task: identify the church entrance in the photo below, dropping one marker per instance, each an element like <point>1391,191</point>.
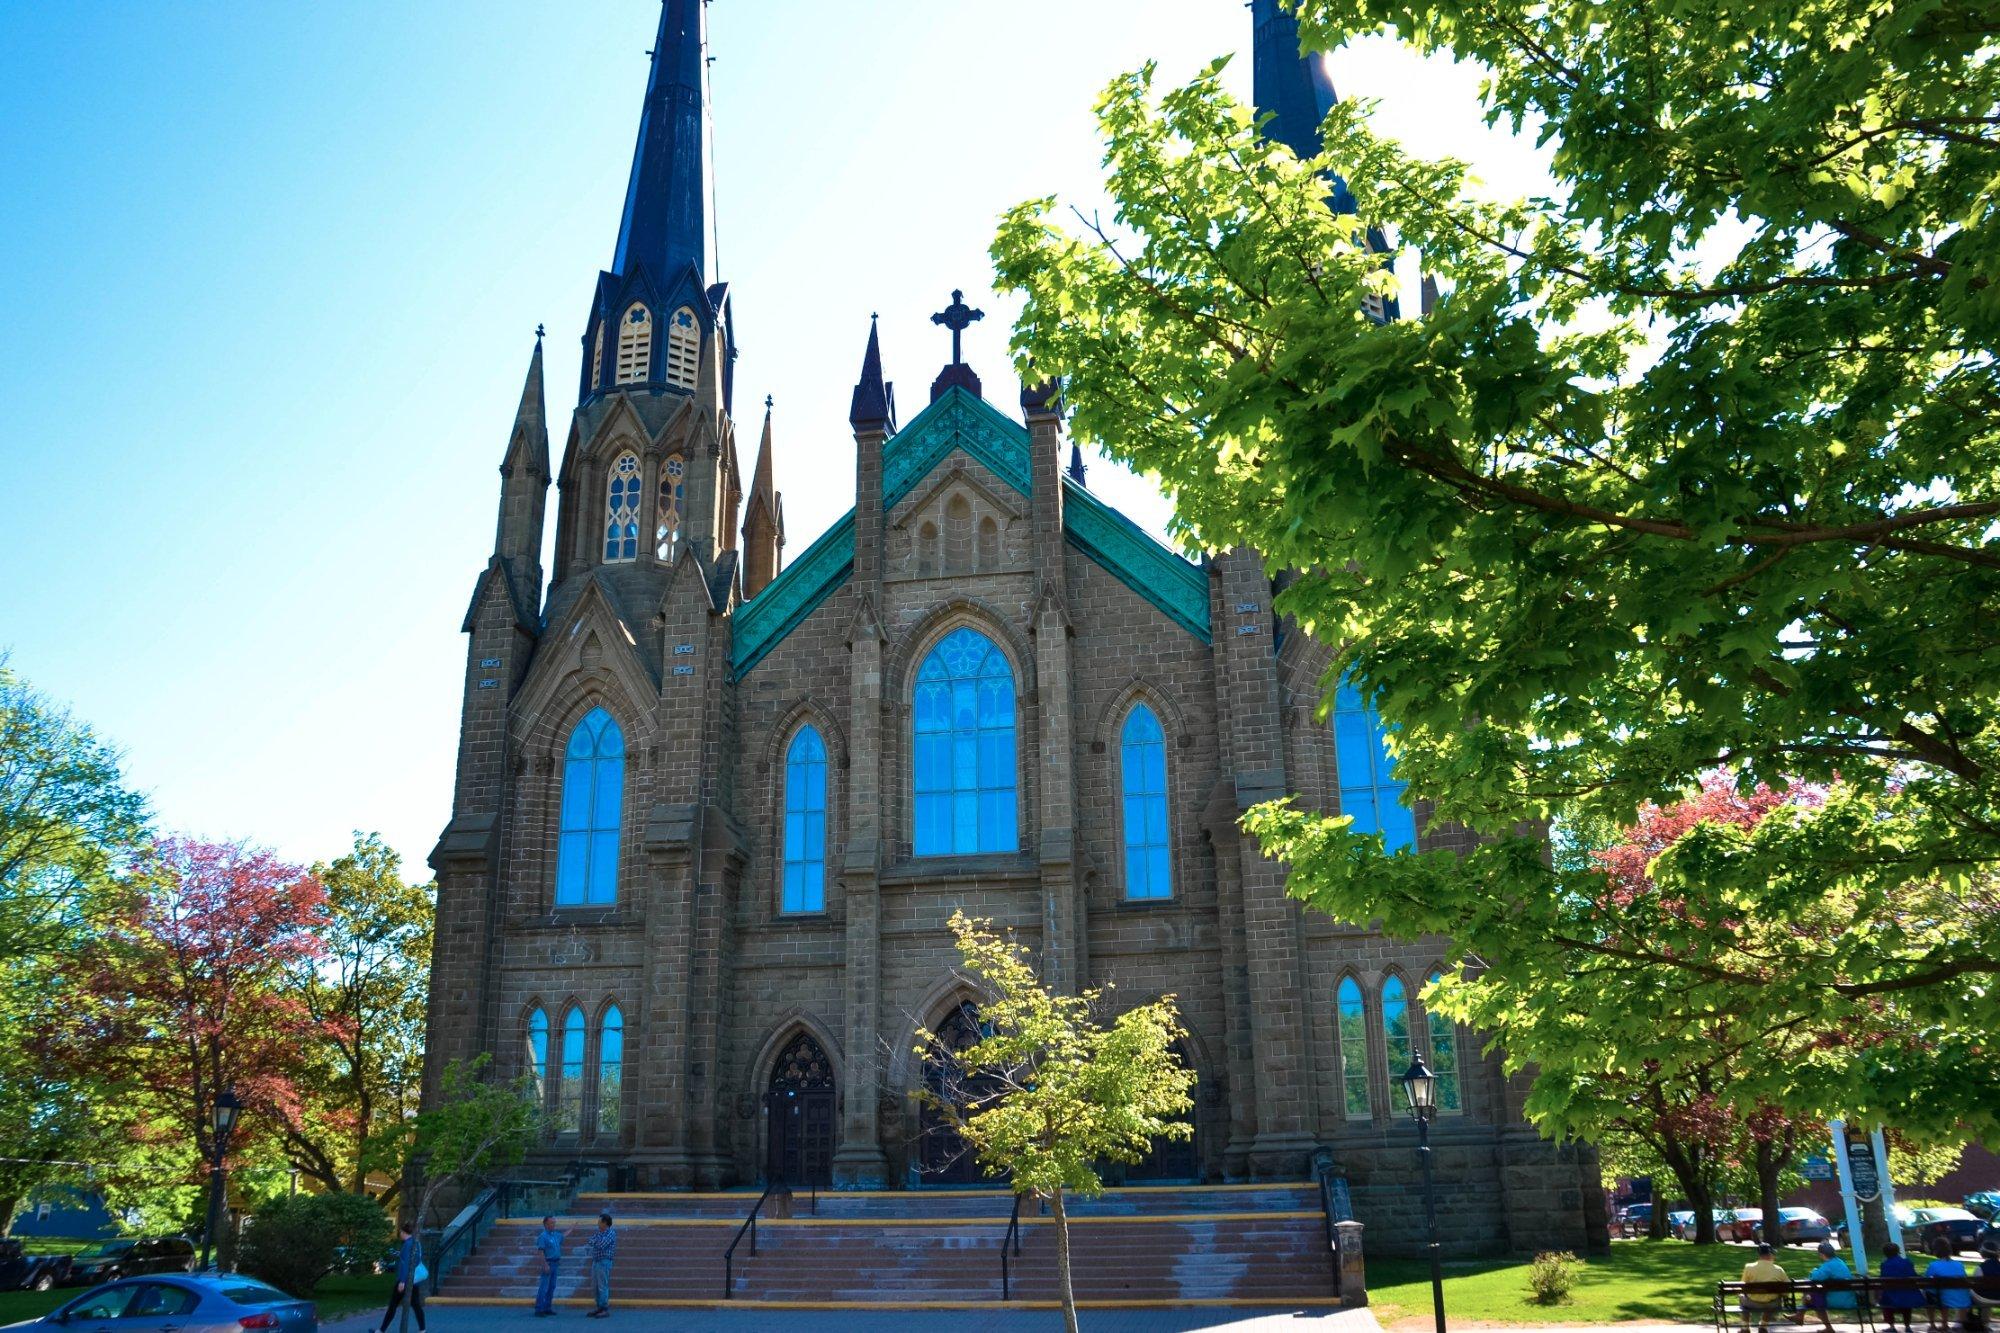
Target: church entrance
<point>1169,1161</point>
<point>800,1107</point>
<point>944,1158</point>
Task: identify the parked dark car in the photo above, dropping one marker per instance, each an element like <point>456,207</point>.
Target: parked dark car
<point>209,1303</point>
<point>1635,1219</point>
<point>1985,1204</point>
<point>129,1257</point>
<point>21,1271</point>
<point>1801,1225</point>
<point>1955,1225</point>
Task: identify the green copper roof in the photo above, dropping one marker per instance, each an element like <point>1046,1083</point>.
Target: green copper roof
<point>959,420</point>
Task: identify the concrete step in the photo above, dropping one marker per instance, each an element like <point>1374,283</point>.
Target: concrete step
<point>883,1248</point>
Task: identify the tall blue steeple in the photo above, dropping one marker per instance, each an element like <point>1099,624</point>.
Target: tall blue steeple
<point>665,225</point>
<point>1294,88</point>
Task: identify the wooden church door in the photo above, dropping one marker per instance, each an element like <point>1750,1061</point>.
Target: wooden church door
<point>800,1103</point>
<point>945,1158</point>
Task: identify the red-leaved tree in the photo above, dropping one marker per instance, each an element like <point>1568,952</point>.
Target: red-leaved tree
<point>182,997</point>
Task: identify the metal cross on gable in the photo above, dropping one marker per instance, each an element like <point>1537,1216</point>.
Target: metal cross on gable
<point>958,317</point>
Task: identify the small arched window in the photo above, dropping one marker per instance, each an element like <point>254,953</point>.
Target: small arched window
<point>673,505</point>
<point>1369,791</point>
<point>592,796</point>
<point>989,545</point>
<point>1353,1033</point>
<point>805,822</point>
<point>964,748</point>
<point>635,345</point>
<point>538,1053</point>
<point>621,510</point>
<point>1396,1027</point>
<point>597,358</point>
<point>569,1078</point>
<point>1142,750</point>
<point>610,1071</point>
<point>683,348</point>
<point>1444,1061</point>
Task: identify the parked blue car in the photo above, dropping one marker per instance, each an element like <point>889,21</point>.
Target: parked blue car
<point>180,1303</point>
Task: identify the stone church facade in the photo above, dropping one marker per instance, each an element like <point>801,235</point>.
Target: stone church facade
<point>713,809</point>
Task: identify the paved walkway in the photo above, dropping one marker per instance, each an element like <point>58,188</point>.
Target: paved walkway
<point>518,1319</point>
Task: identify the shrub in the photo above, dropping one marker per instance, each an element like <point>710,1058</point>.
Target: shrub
<point>1552,1276</point>
<point>294,1242</point>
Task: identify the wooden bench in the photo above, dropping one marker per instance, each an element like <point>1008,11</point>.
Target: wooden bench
<point>1791,1302</point>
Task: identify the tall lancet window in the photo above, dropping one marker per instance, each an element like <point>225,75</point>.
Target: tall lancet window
<point>592,795</point>
<point>1396,1027</point>
<point>683,348</point>
<point>538,1052</point>
<point>1369,791</point>
<point>610,1072</point>
<point>621,510</point>
<point>673,506</point>
<point>635,345</point>
<point>1353,1034</point>
<point>1143,765</point>
<point>964,725</point>
<point>597,358</point>
<point>805,823</point>
<point>569,1076</point>
<point>1444,1060</point>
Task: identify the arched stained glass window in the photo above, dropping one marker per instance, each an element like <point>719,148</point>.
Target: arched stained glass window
<point>569,1077</point>
<point>538,1053</point>
<point>1143,769</point>
<point>1444,1061</point>
<point>1353,1033</point>
<point>1396,1027</point>
<point>592,796</point>
<point>683,348</point>
<point>621,510</point>
<point>964,748</point>
<point>1368,787</point>
<point>610,1071</point>
<point>805,822</point>
<point>635,345</point>
<point>673,506</point>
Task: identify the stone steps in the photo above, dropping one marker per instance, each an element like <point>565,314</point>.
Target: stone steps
<point>1142,1245</point>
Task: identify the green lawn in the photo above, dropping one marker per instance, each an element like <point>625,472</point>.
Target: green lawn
<point>336,1296</point>
<point>1655,1281</point>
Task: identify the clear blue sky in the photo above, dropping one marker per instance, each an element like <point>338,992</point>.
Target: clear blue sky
<point>269,276</point>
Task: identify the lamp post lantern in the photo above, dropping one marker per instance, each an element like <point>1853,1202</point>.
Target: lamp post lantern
<point>1420,1086</point>
<point>227,1107</point>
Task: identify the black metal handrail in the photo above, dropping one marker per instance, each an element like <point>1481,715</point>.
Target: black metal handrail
<point>1323,1174</point>
<point>1014,1236</point>
<point>749,1225</point>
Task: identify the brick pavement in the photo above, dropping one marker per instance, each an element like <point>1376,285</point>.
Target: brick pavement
<point>519,1319</point>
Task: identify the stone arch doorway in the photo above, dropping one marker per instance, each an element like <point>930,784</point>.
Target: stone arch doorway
<point>1169,1160</point>
<point>799,1106</point>
<point>944,1158</point>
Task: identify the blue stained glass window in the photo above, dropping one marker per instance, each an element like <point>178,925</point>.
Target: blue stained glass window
<point>805,823</point>
<point>1143,753</point>
<point>538,1051</point>
<point>610,1071</point>
<point>569,1078</point>
<point>1353,1035</point>
<point>592,793</point>
<point>1368,787</point>
<point>1396,1026</point>
<point>1444,1061</point>
<point>964,748</point>
<point>621,510</point>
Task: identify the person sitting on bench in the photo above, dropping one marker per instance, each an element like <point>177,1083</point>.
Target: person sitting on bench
<point>1901,1299</point>
<point>1766,1272</point>
<point>1832,1268</point>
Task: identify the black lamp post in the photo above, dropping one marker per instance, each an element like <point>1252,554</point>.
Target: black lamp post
<point>1421,1086</point>
<point>226,1109</point>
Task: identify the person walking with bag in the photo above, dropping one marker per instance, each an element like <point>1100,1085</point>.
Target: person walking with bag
<point>548,1243</point>
<point>410,1277</point>
<point>603,1249</point>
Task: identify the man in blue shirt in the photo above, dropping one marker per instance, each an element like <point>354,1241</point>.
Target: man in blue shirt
<point>548,1243</point>
<point>603,1249</point>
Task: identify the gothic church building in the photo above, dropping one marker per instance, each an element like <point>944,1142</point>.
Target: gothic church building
<point>713,809</point>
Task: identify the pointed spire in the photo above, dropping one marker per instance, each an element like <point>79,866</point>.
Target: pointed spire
<point>529,441</point>
<point>873,407</point>
<point>763,520</point>
<point>1076,468</point>
<point>1293,86</point>
<point>665,225</point>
